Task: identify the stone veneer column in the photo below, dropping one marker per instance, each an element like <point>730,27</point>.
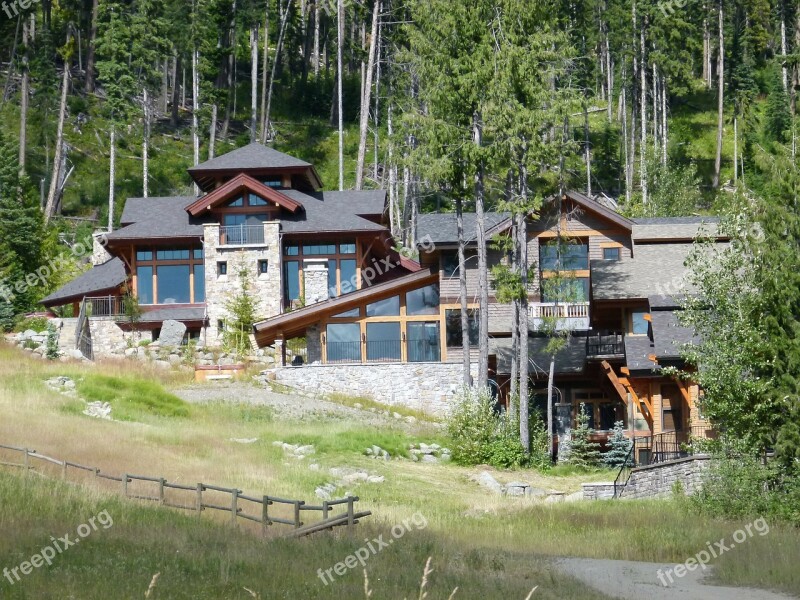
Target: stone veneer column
<point>313,344</point>
<point>315,280</point>
<point>99,253</point>
<point>264,288</point>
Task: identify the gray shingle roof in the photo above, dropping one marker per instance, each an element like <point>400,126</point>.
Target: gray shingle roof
<point>103,277</point>
<point>440,228</point>
<point>158,218</point>
<point>333,211</point>
<point>252,156</point>
<point>570,360</point>
<point>637,349</point>
<point>654,270</point>
<point>673,228</point>
<point>177,313</point>
<point>669,335</point>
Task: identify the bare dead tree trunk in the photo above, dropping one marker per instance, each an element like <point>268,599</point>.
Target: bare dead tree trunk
<point>784,69</point>
<point>643,115</point>
<point>195,109</point>
<point>483,275</point>
<point>267,115</point>
<point>253,83</point>
<point>231,73</point>
<point>340,75</point>
<point>462,286</point>
<point>112,171</point>
<point>522,232</point>
<point>24,97</point>
<point>55,177</point>
<point>550,384</point>
<point>262,135</point>
<point>664,124</point>
<point>212,131</point>
<point>317,15</point>
<point>706,49</point>
<point>366,97</point>
<point>587,154</point>
<point>146,143</point>
<point>176,88</point>
<point>89,84</point>
<point>720,99</point>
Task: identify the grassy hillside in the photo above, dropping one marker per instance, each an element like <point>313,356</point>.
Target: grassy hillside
<point>488,546</point>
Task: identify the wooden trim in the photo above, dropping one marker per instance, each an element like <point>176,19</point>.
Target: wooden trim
<point>580,273</point>
<point>576,233</point>
<point>611,245</point>
<point>241,181</point>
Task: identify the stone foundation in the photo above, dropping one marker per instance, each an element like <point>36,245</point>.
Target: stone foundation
<point>658,480</point>
<point>428,387</point>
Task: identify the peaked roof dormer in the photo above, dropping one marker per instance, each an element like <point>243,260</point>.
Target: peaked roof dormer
<point>240,183</point>
<point>254,159</point>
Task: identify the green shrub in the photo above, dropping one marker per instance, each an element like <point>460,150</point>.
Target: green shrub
<point>131,398</point>
<point>37,324</point>
<point>52,342</point>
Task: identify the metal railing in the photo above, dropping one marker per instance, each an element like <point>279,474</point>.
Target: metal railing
<point>381,351</point>
<point>612,344</point>
<point>234,235</point>
<point>384,351</point>
<point>104,306</point>
<point>343,352</point>
<point>624,473</point>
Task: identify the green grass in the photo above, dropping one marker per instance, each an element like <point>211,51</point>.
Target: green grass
<point>131,398</point>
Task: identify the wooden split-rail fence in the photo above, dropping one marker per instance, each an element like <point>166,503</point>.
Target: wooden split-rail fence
<point>264,510</point>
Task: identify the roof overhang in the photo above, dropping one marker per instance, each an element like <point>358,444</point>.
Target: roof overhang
<point>597,208</point>
<point>294,323</point>
<point>206,177</point>
<point>240,183</point>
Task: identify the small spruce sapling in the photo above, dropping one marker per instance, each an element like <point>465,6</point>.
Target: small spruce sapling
<point>619,447</point>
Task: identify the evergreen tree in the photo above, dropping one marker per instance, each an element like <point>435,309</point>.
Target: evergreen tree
<point>619,447</point>
<point>584,453</point>
<point>778,121</point>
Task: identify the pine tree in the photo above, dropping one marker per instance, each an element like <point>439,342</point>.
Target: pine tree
<point>619,447</point>
<point>584,453</point>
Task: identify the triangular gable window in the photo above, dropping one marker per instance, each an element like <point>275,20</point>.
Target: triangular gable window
<point>247,200</point>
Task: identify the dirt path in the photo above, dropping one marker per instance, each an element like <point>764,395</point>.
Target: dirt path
<point>637,580</point>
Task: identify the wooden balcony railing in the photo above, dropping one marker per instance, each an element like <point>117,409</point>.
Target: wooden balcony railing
<point>567,315</point>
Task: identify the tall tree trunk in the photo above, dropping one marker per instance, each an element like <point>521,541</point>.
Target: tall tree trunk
<point>706,49</point>
<point>522,232</point>
<point>376,113</point>
<point>212,132</point>
<point>664,124</point>
<point>735,148</point>
<point>165,86</point>
<point>393,221</point>
<point>23,103</point>
<point>55,177</point>
<point>643,115</point>
<point>628,160</point>
<point>11,63</point>
<point>483,275</point>
<point>195,110</point>
<point>720,99</point>
<point>89,84</point>
<point>550,385</point>
<point>262,135</point>
<point>267,122</point>
<point>231,68</point>
<point>784,66</point>
<point>176,88</point>
<point>316,55</point>
<point>587,154</point>
<point>366,97</point>
<point>339,76</point>
<point>462,287</point>
<point>253,83</point>
<point>112,172</point>
<point>146,143</point>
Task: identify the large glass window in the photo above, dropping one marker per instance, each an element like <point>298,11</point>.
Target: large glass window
<point>173,254</point>
<point>173,284</point>
<point>390,307</point>
<point>638,322</point>
<point>254,200</point>
<point>424,301</point>
<point>348,275</point>
<point>291,281</point>
<point>565,289</point>
<point>423,342</point>
<point>564,256</point>
<point>144,285</point>
<point>383,341</point>
<point>453,328</point>
<point>450,263</point>
<point>347,248</point>
<point>199,283</point>
<point>343,342</point>
<point>333,289</point>
<point>318,249</point>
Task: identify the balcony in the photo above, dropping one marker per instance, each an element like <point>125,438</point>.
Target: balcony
<point>572,316</point>
<point>241,235</point>
<point>605,345</point>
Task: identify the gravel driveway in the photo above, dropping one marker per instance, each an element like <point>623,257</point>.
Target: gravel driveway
<point>637,580</point>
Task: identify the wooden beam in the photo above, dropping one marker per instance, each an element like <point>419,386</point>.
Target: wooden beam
<point>612,377</point>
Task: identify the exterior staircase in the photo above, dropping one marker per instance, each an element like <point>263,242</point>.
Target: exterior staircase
<point>66,335</point>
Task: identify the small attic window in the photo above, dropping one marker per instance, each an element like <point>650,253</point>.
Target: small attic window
<point>273,183</point>
<point>237,201</point>
<point>254,200</point>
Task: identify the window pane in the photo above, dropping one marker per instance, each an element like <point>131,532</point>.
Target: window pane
<point>450,263</point>
<point>353,312</point>
<point>349,275</point>
<point>173,284</point>
<point>608,415</point>
<point>254,200</point>
<point>343,342</point>
<point>568,289</point>
<point>144,255</point>
<point>453,329</point>
<point>390,307</point>
<point>229,220</point>
<point>144,285</point>
<point>333,289</point>
<point>424,301</point>
<point>575,256</point>
<point>292,250</point>
<point>291,281</point>
<point>548,257</point>
<point>273,183</point>
<point>611,253</point>
<point>347,248</point>
<point>199,283</point>
<point>639,324</point>
<point>198,253</point>
<point>383,341</point>
<point>423,342</point>
<point>237,202</point>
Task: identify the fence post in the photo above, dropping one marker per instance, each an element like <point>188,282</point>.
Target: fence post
<point>265,513</point>
<point>26,461</point>
<point>64,471</point>
<point>161,483</point>
<point>350,511</point>
<point>234,506</point>
<point>125,484</point>
<point>199,499</point>
<point>297,522</point>
<point>324,510</point>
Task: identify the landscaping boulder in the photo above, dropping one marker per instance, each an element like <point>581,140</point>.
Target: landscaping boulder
<point>172,333</point>
<point>486,480</point>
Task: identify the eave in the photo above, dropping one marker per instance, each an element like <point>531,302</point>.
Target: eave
<point>239,183</point>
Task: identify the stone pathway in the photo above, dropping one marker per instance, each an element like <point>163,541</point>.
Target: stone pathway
<point>630,580</point>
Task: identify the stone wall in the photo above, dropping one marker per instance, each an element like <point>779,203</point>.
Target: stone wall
<point>601,490</point>
<point>108,338</point>
<point>658,480</point>
<point>429,387</point>
<point>314,345</point>
<point>315,280</point>
<point>265,288</point>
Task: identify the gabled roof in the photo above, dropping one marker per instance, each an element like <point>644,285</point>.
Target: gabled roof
<point>252,156</point>
<point>332,212</point>
<point>238,184</point>
<point>102,278</point>
<point>295,322</point>
<point>441,228</point>
<point>157,218</point>
<point>595,207</point>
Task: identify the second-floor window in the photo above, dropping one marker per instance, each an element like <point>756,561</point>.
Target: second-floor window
<point>564,256</point>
